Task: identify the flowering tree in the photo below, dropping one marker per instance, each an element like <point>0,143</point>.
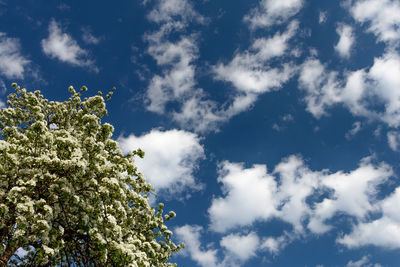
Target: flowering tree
<point>68,196</point>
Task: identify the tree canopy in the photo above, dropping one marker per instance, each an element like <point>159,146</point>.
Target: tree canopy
<point>68,195</point>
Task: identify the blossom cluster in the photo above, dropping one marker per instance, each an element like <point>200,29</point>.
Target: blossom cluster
<point>67,192</point>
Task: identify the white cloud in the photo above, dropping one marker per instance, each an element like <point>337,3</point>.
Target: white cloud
<point>321,86</point>
<point>168,10</point>
<point>394,140</point>
<point>363,262</point>
<point>346,40</point>
<point>305,199</point>
<point>177,83</point>
<point>248,197</point>
<point>353,194</point>
<point>372,93</point>
<point>12,63</point>
<point>323,15</point>
<point>3,89</point>
<point>190,235</point>
<point>171,157</point>
<point>274,244</point>
<point>297,182</point>
<point>272,12</point>
<point>241,247</point>
<point>88,37</point>
<point>253,195</point>
<point>381,16</point>
<point>383,232</point>
<point>63,47</point>
<point>353,131</point>
<point>235,249</point>
<point>178,79</point>
<point>250,72</point>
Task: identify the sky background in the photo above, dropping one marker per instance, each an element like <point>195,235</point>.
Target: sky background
<point>270,127</point>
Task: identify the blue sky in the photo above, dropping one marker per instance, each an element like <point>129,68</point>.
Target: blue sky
<point>270,127</point>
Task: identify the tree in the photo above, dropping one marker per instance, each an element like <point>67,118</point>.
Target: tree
<point>68,196</point>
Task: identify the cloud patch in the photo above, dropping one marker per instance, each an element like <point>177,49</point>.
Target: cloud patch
<point>250,72</point>
<point>394,140</point>
<point>346,40</point>
<point>286,192</point>
<point>382,18</point>
<point>382,232</point>
<point>270,12</point>
<point>372,93</point>
<point>12,63</point>
<point>169,10</point>
<point>190,235</point>
<point>171,158</point>
<point>62,46</point>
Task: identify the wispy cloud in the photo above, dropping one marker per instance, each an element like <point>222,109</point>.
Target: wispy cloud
<point>248,71</point>
<point>394,140</point>
<point>168,10</point>
<point>62,46</point>
<point>363,262</point>
<point>270,12</point>
<point>353,131</point>
<point>323,15</point>
<point>88,37</point>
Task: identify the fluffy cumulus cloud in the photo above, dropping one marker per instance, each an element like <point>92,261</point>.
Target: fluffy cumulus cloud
<point>240,247</point>
<point>236,248</point>
<point>353,194</point>
<point>372,93</point>
<point>63,47</point>
<point>307,200</point>
<point>248,197</point>
<point>271,12</point>
<point>12,63</point>
<point>346,40</point>
<point>382,18</point>
<point>286,192</point>
<point>383,232</point>
<point>190,235</point>
<point>171,157</point>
